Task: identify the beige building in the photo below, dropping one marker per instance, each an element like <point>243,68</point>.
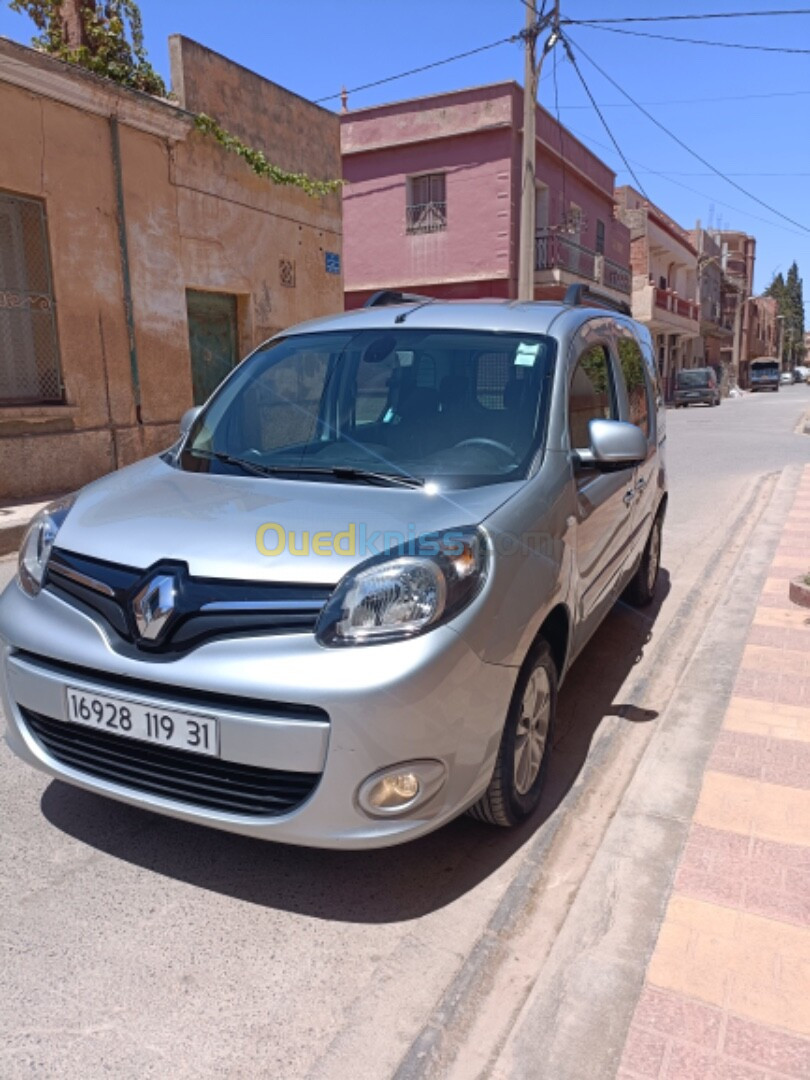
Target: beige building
<point>139,260</point>
<point>664,263</point>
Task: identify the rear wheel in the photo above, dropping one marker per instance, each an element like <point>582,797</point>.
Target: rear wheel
<point>641,590</point>
<point>520,769</point>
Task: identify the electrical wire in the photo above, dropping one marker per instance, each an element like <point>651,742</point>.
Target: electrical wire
<point>692,18</point>
<point>670,178</point>
<point>685,146</point>
<point>697,41</point>
<point>417,70</point>
<point>696,101</point>
<point>605,125</point>
<point>560,130</point>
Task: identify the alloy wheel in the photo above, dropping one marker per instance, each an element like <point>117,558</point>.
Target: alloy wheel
<point>532,729</point>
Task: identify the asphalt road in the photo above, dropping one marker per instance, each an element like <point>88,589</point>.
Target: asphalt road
<point>138,946</point>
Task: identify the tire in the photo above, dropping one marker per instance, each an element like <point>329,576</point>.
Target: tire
<point>522,763</point>
<point>641,590</point>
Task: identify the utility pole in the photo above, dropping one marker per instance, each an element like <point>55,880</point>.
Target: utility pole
<point>781,319</point>
<point>528,195</point>
<point>736,357</point>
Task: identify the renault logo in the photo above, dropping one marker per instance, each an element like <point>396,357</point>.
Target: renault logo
<point>154,604</point>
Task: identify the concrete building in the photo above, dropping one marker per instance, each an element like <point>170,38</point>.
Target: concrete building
<point>139,259</point>
<point>763,339</point>
<point>738,258</point>
<point>716,324</point>
<point>432,202</point>
<point>664,263</point>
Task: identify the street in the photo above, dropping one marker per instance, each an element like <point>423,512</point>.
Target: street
<point>135,945</point>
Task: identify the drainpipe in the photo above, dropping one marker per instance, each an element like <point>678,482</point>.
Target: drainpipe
<point>125,275</point>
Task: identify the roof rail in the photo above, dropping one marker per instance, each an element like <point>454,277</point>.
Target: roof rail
<point>582,296</point>
<point>393,296</point>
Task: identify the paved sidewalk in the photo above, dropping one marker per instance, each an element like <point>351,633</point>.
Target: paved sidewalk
<point>727,990</point>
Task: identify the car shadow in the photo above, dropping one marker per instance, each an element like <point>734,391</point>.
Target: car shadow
<point>387,885</point>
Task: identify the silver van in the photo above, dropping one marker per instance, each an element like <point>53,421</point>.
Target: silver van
<point>338,610</point>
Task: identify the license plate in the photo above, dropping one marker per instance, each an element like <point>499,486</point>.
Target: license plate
<point>145,722</point>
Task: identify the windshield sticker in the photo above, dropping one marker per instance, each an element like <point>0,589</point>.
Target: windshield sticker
<point>405,357</point>
<point>526,354</point>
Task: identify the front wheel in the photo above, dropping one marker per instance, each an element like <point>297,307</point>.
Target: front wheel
<point>641,590</point>
<point>520,768</point>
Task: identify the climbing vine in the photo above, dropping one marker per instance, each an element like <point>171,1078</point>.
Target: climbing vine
<point>108,40</point>
<point>257,161</point>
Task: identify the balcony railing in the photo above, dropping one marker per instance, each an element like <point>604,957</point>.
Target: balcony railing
<point>426,217</point>
<point>670,301</point>
<point>557,251</point>
<point>616,276</point>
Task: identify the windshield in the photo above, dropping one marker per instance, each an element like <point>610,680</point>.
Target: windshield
<point>463,406</point>
<point>698,377</point>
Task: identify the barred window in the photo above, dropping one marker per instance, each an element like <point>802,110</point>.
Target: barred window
<point>427,203</point>
<point>29,350</point>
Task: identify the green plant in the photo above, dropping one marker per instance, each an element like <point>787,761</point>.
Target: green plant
<point>107,40</point>
<point>257,161</point>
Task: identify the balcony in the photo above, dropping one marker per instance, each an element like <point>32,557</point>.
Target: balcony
<point>670,301</point>
<point>664,311</point>
<point>561,260</point>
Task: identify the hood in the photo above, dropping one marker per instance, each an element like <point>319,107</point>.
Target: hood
<point>151,511</point>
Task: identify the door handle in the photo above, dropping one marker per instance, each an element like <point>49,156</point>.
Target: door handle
<point>628,498</point>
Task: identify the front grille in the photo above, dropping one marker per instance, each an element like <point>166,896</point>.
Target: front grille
<point>205,608</point>
<point>210,783</point>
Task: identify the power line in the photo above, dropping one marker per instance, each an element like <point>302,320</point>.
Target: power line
<point>696,101</point>
<point>688,149</point>
<point>669,177</point>
<point>592,100</point>
<point>424,67</point>
<point>696,41</point>
<point>692,18</point>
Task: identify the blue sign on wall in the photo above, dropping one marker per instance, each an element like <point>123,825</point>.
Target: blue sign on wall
<point>332,262</point>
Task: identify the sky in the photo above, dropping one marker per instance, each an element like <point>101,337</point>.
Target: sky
<point>745,112</point>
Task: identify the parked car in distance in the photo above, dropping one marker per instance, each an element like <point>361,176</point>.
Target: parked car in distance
<point>801,374</point>
<point>338,610</point>
<point>696,386</point>
<point>786,378</point>
<point>764,374</point>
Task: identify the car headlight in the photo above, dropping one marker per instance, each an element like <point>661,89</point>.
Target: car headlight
<point>38,541</point>
<point>407,590</point>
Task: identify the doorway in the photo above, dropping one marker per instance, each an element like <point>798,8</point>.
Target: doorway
<point>213,340</point>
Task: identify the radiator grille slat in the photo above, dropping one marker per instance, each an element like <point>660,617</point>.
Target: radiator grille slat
<point>174,774</point>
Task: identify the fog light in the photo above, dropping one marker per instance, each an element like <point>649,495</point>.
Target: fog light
<point>401,788</point>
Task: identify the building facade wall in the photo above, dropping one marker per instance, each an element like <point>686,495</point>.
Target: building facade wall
<point>472,137</point>
<point>196,218</point>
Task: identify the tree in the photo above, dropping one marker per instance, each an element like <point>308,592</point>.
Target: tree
<point>789,297</point>
<point>107,40</point>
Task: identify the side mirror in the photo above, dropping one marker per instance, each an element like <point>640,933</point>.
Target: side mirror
<point>614,444</point>
<point>188,418</point>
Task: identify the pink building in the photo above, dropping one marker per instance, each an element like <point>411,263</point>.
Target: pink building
<point>432,201</point>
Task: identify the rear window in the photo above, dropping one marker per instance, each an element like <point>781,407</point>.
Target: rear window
<point>698,377</point>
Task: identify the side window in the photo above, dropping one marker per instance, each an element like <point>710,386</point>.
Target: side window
<point>590,395</point>
<point>632,365</point>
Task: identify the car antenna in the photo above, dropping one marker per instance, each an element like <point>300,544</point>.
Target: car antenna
<point>403,315</point>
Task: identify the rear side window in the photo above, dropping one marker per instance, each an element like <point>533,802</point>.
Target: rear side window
<point>632,364</point>
<point>591,395</point>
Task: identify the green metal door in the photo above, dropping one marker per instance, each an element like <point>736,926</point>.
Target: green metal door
<point>212,336</point>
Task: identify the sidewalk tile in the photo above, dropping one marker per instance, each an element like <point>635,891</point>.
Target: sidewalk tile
<point>776,761</point>
<point>644,1053</point>
<point>691,1063</point>
<point>768,1048</point>
<point>748,964</point>
<point>679,1017</point>
<point>768,718</point>
<point>752,807</point>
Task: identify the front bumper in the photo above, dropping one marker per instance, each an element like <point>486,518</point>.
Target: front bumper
<point>429,698</point>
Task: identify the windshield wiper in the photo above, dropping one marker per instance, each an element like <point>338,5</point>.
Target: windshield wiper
<point>340,472</point>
